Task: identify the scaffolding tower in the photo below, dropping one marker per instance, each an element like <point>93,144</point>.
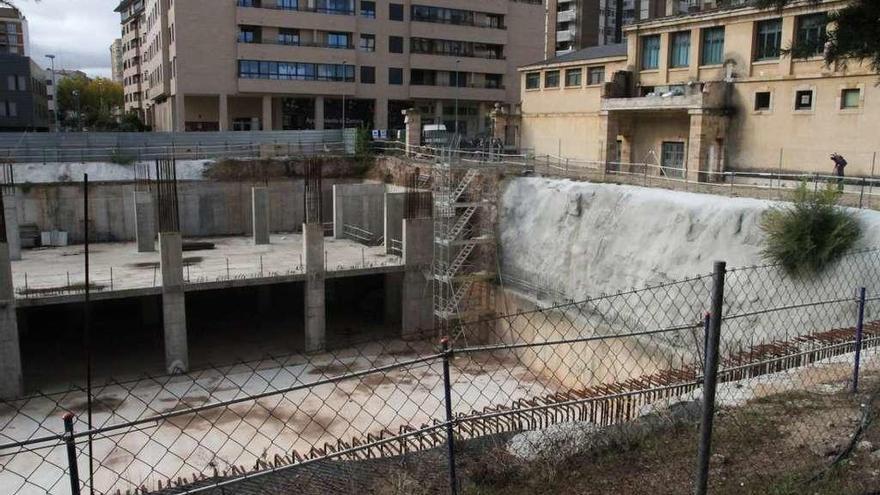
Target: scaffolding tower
<point>464,240</point>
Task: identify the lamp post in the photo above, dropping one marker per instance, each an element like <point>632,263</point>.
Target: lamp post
<point>344,79</point>
<point>54,92</point>
<point>457,86</point>
<point>78,112</point>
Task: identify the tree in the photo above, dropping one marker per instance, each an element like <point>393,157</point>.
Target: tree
<point>97,101</point>
<point>854,35</point>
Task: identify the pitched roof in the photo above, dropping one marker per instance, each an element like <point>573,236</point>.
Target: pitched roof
<point>590,53</point>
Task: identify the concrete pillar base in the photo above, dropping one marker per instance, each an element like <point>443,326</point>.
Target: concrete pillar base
<point>11,382</point>
<point>417,293</point>
<point>173,303</point>
<point>145,221</point>
<point>315,317</point>
<point>260,212</point>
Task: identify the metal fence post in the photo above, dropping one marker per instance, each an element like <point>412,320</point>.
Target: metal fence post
<point>710,378</point>
<point>73,469</point>
<point>447,394</point>
<point>860,322</point>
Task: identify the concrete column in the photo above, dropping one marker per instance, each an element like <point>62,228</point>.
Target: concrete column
<point>315,317</point>
<point>393,306</point>
<point>173,302</point>
<point>393,218</point>
<point>608,135</point>
<point>260,211</point>
<point>696,152</point>
<point>10,214</point>
<point>413,120</point>
<point>438,112</point>
<point>481,118</point>
<point>267,113</point>
<point>337,212</point>
<point>145,221</point>
<point>11,383</point>
<point>380,116</point>
<point>179,124</point>
<point>223,111</point>
<point>319,113</point>
<point>417,311</point>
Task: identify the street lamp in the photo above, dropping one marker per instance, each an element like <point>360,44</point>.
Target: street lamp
<point>457,86</point>
<point>54,92</point>
<point>78,112</point>
<point>344,79</point>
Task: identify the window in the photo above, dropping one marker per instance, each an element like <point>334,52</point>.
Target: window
<point>395,11</point>
<point>595,75</point>
<point>368,74</point>
<point>681,49</point>
<point>368,42</point>
<point>713,46</point>
<point>551,79</point>
<point>337,40</point>
<point>768,39</point>
<point>762,100</point>
<point>533,80</point>
<point>294,71</point>
<point>672,159</point>
<point>650,52</point>
<point>247,34</point>
<point>288,36</point>
<point>803,100</point>
<point>573,77</point>
<point>395,76</point>
<point>284,4</point>
<point>811,35</point>
<point>368,9</point>
<point>850,98</point>
<point>395,44</point>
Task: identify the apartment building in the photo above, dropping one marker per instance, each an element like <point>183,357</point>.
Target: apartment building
<point>23,97</point>
<point>710,91</point>
<point>13,32</point>
<point>577,24</point>
<point>116,61</point>
<point>312,64</point>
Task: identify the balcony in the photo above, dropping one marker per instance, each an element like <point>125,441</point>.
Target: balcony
<point>563,36</point>
<point>566,15</point>
<point>297,7</point>
<point>698,96</point>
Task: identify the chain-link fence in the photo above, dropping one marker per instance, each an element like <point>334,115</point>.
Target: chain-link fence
<point>549,397</point>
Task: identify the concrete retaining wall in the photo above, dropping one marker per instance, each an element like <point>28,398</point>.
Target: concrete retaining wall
<point>206,208</point>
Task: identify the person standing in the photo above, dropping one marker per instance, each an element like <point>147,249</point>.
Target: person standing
<point>839,165</point>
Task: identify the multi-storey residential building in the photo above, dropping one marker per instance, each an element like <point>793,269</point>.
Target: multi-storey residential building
<point>13,32</point>
<point>133,20</point>
<point>116,61</point>
<point>584,23</point>
<point>290,64</point>
<point>23,103</point>
<point>710,91</point>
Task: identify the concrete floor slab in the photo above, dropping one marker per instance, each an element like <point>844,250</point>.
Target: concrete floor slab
<point>118,266</point>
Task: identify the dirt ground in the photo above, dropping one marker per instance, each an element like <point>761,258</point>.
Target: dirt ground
<point>791,443</point>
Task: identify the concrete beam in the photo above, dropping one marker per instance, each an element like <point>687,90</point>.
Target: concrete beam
<point>10,213</point>
<point>315,311</point>
<point>417,310</point>
<point>260,211</point>
<point>11,382</point>
<point>145,221</point>
<point>173,303</point>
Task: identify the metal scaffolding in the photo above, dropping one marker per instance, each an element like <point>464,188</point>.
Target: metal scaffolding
<point>464,240</point>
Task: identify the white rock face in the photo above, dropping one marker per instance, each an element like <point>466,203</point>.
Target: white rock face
<point>632,237</point>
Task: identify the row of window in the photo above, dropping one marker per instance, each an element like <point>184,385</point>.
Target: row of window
<point>367,9</point>
<point>573,77</point>
<point>298,71</point>
<point>804,100</point>
<point>809,41</point>
<point>333,39</point>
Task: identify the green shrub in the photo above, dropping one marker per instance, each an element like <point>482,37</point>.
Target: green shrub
<point>119,157</point>
<point>811,232</point>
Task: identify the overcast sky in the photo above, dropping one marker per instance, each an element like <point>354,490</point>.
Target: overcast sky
<point>78,32</point>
